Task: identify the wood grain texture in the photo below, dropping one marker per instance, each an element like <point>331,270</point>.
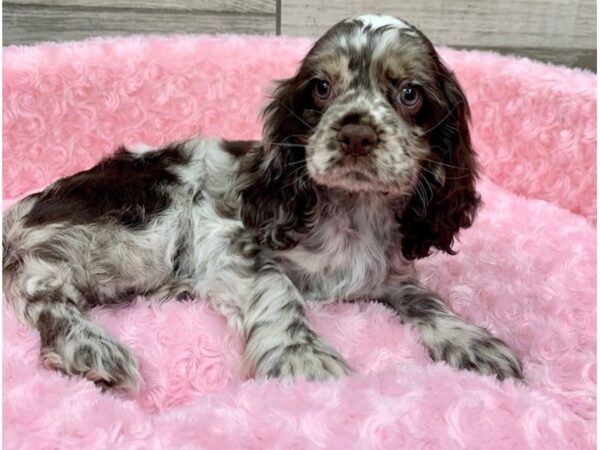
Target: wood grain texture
<point>24,24</point>
<point>570,57</point>
<point>482,23</point>
<point>253,6</point>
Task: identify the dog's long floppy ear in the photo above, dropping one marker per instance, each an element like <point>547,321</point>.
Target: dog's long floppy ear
<point>279,200</point>
<point>433,219</point>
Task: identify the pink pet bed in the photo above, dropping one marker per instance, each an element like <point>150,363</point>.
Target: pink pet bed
<point>526,270</point>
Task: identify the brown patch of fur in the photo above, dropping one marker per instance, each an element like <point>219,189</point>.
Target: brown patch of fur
<point>126,188</point>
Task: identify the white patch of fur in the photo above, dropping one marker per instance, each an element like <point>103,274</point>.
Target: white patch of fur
<point>358,39</point>
<point>351,261</point>
<point>141,149</point>
<point>379,20</point>
<point>355,41</point>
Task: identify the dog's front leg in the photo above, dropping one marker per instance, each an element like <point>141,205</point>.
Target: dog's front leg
<point>448,337</point>
<point>279,340</point>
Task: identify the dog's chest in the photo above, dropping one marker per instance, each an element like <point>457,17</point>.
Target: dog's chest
<point>345,257</point>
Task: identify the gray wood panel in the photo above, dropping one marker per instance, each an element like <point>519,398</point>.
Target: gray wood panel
<point>27,24</point>
<point>481,23</point>
<point>558,31</point>
<point>256,6</point>
<point>570,57</point>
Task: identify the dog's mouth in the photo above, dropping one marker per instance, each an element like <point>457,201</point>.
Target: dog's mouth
<point>351,179</point>
<point>359,177</point>
<point>347,171</point>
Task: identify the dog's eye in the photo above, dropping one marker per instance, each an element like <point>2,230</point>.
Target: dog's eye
<point>409,96</point>
<point>322,90</point>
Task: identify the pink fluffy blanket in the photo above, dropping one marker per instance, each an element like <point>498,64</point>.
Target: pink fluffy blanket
<point>526,270</point>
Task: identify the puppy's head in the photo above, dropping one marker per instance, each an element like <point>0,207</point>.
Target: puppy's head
<point>371,109</point>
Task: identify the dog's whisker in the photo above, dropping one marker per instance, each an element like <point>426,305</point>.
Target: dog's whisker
<point>295,115</point>
<point>448,114</point>
<point>444,176</point>
<point>281,144</point>
<point>303,178</point>
<point>296,163</point>
<point>438,163</point>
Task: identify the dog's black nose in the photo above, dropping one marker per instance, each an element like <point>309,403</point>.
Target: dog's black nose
<point>357,139</point>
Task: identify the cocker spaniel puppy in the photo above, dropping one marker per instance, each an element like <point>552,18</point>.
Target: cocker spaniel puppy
<point>365,165</point>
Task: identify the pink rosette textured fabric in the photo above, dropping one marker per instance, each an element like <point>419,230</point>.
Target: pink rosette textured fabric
<point>526,270</point>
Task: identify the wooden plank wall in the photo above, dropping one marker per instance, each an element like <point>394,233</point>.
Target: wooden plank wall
<point>560,31</point>
<point>29,21</point>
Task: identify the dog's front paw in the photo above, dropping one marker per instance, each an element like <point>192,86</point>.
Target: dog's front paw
<point>100,359</point>
<point>313,361</point>
<point>474,349</point>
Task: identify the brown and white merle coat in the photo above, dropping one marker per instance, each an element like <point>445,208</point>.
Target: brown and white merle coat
<point>365,165</point>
